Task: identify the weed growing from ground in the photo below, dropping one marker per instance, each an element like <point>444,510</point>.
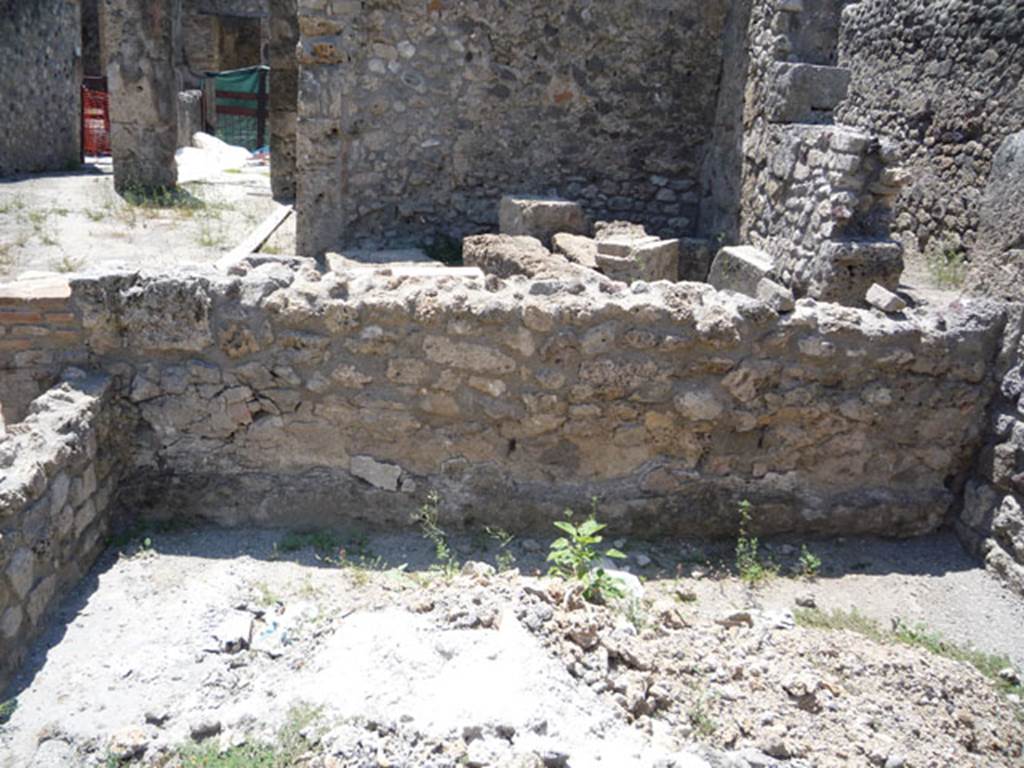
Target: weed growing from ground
<point>752,569</point>
<point>505,559</point>
<point>989,665</point>
<point>947,263</point>
<point>574,557</point>
<point>428,519</point>
<point>700,718</point>
<point>287,749</point>
<point>634,609</point>
<point>810,563</point>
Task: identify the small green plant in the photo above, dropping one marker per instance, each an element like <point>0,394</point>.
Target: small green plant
<point>506,559</point>
<point>287,749</point>
<point>810,563</point>
<point>947,263</point>
<point>68,264</point>
<point>635,611</point>
<point>749,564</point>
<point>574,557</point>
<point>428,518</point>
<point>700,718</point>
<point>7,710</point>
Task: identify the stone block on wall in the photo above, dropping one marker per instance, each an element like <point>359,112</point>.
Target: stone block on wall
<point>844,271</point>
<point>540,217</point>
<point>740,268</point>
<point>805,93</point>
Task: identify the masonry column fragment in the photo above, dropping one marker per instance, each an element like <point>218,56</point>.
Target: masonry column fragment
<point>142,37</point>
<point>284,96</point>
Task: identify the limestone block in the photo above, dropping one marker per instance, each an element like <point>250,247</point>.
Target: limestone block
<point>740,268</point>
<point>778,297</point>
<point>800,93</point>
<point>657,260</point>
<point>885,300</point>
<point>376,473</point>
<point>620,246</point>
<point>506,255</point>
<point>576,248</point>
<point>844,270</point>
<point>20,572</point>
<point>540,217</point>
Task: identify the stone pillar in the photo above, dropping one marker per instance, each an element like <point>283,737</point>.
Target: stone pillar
<point>284,96</point>
<point>142,40</point>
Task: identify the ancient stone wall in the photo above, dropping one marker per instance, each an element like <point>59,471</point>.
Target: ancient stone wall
<point>301,400</point>
<point>415,117</point>
<point>39,337</point>
<point>992,522</point>
<point>58,472</point>
<point>941,79</point>
<point>40,79</point>
<point>823,211</point>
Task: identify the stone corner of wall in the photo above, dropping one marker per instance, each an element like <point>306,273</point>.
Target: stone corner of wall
<point>60,468</point>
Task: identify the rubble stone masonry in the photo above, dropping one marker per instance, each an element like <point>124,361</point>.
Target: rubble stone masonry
<point>40,79</point>
<point>415,116</point>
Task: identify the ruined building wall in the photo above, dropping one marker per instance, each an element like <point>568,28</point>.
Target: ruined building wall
<point>59,470</point>
<point>272,398</point>
<point>284,95</point>
<point>415,117</point>
<point>816,195</point>
<point>40,79</point>
<point>941,79</point>
<point>992,522</point>
<point>219,35</point>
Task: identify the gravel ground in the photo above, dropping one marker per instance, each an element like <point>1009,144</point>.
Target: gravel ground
<point>405,667</point>
<point>74,221</point>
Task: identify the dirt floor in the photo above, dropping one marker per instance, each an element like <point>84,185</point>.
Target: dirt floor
<point>70,222</point>
<point>267,648</point>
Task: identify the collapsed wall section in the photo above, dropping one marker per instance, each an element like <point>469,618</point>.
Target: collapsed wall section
<point>303,400</point>
<point>414,117</point>
<point>40,79</point>
<point>59,469</point>
<point>941,80</point>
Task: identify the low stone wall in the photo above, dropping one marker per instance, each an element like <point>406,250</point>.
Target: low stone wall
<point>992,523</point>
<point>39,337</point>
<point>59,469</point>
<point>295,400</point>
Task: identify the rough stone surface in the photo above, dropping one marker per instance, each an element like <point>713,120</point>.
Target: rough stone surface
<point>508,255</point>
<point>884,299</point>
<point>820,207</point>
<point>740,269</point>
<point>540,217</point>
<point>40,58</point>
<point>997,259</point>
<point>58,473</point>
<point>143,84</point>
<point>441,108</point>
<point>805,93</point>
<point>776,296</point>
<point>577,249</point>
<point>945,99</point>
<point>992,523</point>
<point>284,95</point>
<point>670,401</point>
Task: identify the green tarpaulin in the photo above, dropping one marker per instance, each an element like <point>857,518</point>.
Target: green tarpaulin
<point>241,107</point>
